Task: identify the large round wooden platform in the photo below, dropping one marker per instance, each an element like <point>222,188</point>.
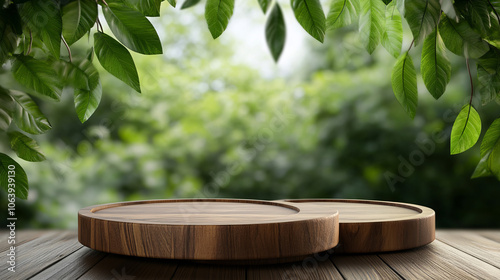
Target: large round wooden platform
<point>209,229</point>
<point>368,226</point>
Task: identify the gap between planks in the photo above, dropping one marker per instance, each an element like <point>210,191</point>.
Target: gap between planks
<point>438,260</point>
<point>474,244</point>
<point>34,256</point>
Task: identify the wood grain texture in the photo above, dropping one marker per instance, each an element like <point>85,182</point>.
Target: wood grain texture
<point>353,267</point>
<point>490,234</point>
<point>439,261</point>
<point>435,261</point>
<point>368,226</point>
<point>204,271</point>
<point>308,269</point>
<point>209,229</point>
<point>38,254</point>
<point>21,237</point>
<point>473,244</point>
<point>125,267</point>
<point>73,266</point>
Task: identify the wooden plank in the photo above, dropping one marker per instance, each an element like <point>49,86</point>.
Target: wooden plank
<point>35,255</point>
<point>73,266</point>
<point>22,236</point>
<point>310,268</point>
<point>473,244</point>
<point>125,267</point>
<point>491,234</point>
<point>207,271</point>
<point>439,261</point>
<point>363,267</point>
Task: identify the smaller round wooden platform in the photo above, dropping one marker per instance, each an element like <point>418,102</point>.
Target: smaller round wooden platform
<point>209,229</point>
<point>368,226</point>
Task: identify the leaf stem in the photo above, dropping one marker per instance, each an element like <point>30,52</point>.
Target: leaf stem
<point>31,43</point>
<point>67,47</point>
<point>411,45</point>
<point>495,11</point>
<point>471,82</point>
<point>471,95</point>
<point>98,22</point>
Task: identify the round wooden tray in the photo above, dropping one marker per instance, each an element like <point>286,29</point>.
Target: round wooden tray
<point>209,229</point>
<point>368,226</point>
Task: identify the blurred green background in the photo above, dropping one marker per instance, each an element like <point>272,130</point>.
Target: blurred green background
<point>219,119</point>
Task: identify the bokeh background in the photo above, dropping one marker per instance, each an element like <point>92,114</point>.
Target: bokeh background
<point>218,118</point>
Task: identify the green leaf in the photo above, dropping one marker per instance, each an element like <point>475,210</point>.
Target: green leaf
<point>495,7</point>
<point>87,101</point>
<point>189,4</point>
<point>37,75</point>
<point>491,138</point>
<point>422,17</point>
<point>404,84</point>
<point>44,18</point>
<point>460,39</point>
<point>79,73</point>
<point>494,161</point>
<point>84,78</point>
<point>217,14</point>
<point>264,4</point>
<point>172,3</point>
<point>488,75</point>
<point>10,25</point>
<point>27,115</point>
<point>90,54</point>
<point>392,37</point>
<point>400,5</point>
<point>25,147</point>
<point>149,8</point>
<point>435,66</point>
<point>492,35</point>
<point>448,9</point>
<point>490,152</point>
<point>466,130</point>
<point>371,23</point>
<point>116,60</point>
<point>16,179</point>
<point>310,15</point>
<point>276,32</point>
<point>342,13</point>
<point>78,17</point>
<point>6,109</point>
<point>482,168</point>
<point>476,13</point>
<point>132,29</point>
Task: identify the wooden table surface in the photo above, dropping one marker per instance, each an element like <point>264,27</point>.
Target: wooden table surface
<point>456,254</point>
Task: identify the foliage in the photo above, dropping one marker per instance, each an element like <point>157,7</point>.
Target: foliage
<point>33,32</point>
<point>200,133</point>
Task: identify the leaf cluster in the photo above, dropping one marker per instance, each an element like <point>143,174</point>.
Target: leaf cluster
<point>36,37</point>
